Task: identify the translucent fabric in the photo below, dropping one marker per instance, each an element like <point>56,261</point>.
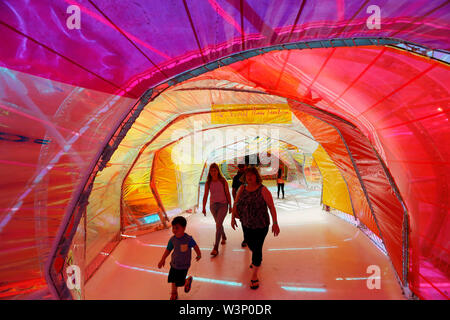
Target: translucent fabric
<point>46,152</point>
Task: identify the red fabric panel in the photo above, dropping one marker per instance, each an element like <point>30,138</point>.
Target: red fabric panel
<point>386,207</point>
<point>330,140</point>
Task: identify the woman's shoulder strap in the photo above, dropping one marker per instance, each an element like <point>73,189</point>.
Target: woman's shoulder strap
<point>261,189</point>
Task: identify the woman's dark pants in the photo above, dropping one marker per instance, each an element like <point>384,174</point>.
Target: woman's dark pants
<point>255,240</point>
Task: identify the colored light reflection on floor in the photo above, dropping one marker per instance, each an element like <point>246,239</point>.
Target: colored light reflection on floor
<point>141,269</point>
<point>153,245</point>
<point>303,289</point>
<point>216,281</point>
<point>224,282</point>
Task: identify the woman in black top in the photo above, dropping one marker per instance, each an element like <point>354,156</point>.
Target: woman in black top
<point>250,206</point>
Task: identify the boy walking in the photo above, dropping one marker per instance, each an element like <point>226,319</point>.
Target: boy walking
<point>181,243</point>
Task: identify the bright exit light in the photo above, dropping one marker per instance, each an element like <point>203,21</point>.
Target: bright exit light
<point>304,289</point>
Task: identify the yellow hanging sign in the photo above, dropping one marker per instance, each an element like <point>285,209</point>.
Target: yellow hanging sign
<point>251,114</point>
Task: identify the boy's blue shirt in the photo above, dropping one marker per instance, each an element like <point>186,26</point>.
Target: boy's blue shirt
<point>182,247</point>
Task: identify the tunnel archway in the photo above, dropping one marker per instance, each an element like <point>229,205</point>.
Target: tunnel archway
<point>352,141</point>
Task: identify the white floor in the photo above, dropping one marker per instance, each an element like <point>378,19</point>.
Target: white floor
<point>316,256</point>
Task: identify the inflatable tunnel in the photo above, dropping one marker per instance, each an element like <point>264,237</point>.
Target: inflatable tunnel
<point>112,111</point>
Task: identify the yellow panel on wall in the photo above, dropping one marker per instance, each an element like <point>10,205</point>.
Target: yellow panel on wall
<point>165,178</point>
<point>334,193</point>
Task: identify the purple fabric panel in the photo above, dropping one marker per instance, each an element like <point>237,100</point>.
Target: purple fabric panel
<point>165,42</point>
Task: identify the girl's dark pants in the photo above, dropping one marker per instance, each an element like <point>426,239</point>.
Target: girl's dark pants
<point>255,240</point>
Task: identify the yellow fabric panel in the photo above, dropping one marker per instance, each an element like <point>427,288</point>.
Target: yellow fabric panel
<point>335,192</point>
<point>166,178</point>
<point>138,199</point>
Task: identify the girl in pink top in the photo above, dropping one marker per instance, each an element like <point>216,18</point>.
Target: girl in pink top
<point>219,204</point>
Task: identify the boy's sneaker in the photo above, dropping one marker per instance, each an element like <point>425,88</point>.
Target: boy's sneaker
<point>187,285</point>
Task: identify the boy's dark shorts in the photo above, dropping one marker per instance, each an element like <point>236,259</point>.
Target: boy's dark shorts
<point>178,276</point>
